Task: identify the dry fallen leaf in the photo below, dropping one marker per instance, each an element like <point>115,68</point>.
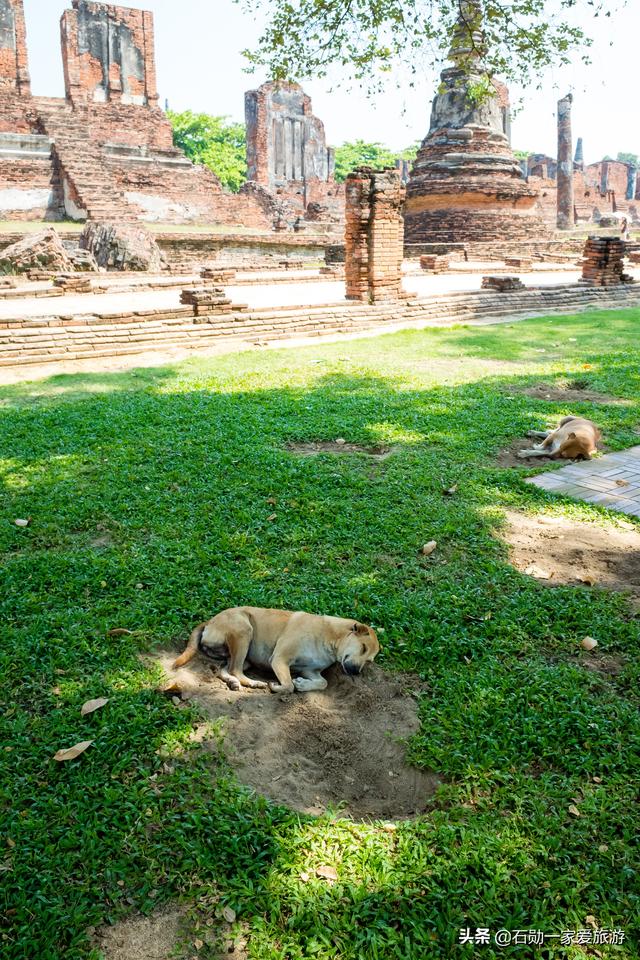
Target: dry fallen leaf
<point>597,779</point>
<point>622,483</point>
<point>198,944</point>
<point>588,643</point>
<point>305,877</point>
<point>449,492</point>
<point>329,873</point>
<point>272,501</point>
<point>119,632</point>
<point>573,810</point>
<point>229,914</point>
<point>340,440</point>
<point>92,705</point>
<point>22,523</point>
<point>273,516</point>
<point>429,547</point>
<point>72,752</point>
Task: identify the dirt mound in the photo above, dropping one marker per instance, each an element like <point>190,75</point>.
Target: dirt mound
<point>333,446</point>
<point>560,551</point>
<point>340,747</point>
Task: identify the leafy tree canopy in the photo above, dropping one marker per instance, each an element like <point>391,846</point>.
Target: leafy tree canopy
<point>631,158</point>
<point>366,38</point>
<point>213,141</point>
<point>376,155</point>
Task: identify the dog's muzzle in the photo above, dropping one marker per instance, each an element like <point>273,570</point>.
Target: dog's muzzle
<point>352,669</point>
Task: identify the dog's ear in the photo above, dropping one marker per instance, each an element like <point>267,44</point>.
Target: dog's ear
<point>572,435</point>
<point>361,629</point>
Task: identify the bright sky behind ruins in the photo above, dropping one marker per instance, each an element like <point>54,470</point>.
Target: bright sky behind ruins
<point>200,67</point>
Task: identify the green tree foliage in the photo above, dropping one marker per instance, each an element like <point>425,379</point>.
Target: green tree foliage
<point>215,142</point>
<point>358,153</point>
<point>631,158</point>
<point>367,38</point>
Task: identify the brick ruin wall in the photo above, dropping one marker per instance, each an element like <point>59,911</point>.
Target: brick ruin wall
<point>287,152</point>
<point>599,189</point>
<point>374,235</point>
<point>106,151</point>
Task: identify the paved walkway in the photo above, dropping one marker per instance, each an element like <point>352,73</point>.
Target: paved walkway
<point>611,481</point>
<point>257,296</point>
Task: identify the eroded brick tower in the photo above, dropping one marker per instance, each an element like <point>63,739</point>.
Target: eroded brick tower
<point>466,183</point>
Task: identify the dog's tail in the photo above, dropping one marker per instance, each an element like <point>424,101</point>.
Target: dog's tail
<point>191,648</point>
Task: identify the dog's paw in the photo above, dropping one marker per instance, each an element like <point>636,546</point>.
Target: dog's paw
<point>257,684</point>
<point>302,684</point>
<point>281,688</point>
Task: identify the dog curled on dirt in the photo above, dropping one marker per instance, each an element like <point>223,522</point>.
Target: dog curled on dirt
<point>575,438</point>
<point>283,640</point>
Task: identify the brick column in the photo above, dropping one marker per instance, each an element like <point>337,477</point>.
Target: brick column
<point>374,234</point>
<point>14,63</point>
<point>632,181</point>
<point>565,216</point>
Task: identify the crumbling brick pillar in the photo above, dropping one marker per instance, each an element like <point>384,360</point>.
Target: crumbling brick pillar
<point>108,54</point>
<point>632,182</point>
<point>14,63</point>
<point>374,234</point>
<point>565,213</point>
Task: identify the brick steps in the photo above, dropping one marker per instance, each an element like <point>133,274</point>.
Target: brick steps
<point>41,340</point>
<point>82,162</point>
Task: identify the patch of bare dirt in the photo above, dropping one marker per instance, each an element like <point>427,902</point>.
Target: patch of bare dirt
<point>559,551</point>
<point>340,747</point>
<point>508,456</point>
<point>142,938</point>
<point>167,935</point>
<point>567,393</point>
<point>334,446</point>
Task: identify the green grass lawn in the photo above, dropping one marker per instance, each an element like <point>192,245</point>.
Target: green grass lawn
<point>149,497</point>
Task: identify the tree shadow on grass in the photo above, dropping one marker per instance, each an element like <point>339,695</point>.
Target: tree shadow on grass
<point>205,508</point>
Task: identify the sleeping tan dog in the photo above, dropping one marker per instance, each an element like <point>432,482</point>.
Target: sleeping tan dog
<point>283,640</point>
<point>575,438</point>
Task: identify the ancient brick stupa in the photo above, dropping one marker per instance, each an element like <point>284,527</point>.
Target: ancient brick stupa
<point>466,183</point>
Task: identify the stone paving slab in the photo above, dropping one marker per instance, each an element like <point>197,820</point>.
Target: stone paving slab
<point>611,481</point>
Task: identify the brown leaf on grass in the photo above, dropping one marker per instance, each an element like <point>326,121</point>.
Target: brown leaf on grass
<point>72,752</point>
<point>229,914</point>
<point>119,632</point>
<point>198,944</point>
<point>22,523</point>
<point>272,516</point>
<point>429,547</point>
<point>449,492</point>
<point>272,501</point>
<point>573,810</point>
<point>622,483</point>
<point>588,643</point>
<point>92,705</point>
<point>329,873</point>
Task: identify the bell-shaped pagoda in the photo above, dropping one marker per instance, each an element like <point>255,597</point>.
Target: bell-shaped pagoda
<point>466,184</point>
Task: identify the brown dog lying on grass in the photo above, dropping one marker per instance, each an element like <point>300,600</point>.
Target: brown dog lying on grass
<point>575,438</point>
<point>284,641</point>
